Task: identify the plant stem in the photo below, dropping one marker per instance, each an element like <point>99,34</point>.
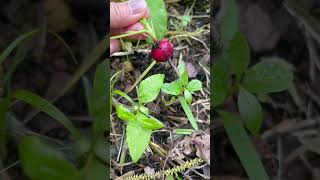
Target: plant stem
<point>142,75</point>
<point>131,33</point>
<point>123,153</point>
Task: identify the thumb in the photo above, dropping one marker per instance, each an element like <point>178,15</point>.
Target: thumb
<point>127,13</point>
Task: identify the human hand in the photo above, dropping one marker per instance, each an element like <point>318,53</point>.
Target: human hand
<point>124,17</point>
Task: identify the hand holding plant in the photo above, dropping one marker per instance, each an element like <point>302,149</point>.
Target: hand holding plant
<point>125,17</point>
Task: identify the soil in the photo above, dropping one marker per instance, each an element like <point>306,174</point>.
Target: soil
<point>196,57</point>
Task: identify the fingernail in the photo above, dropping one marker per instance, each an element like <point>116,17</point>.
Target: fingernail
<point>137,6</point>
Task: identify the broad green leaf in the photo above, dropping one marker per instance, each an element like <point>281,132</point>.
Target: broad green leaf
<point>150,87</point>
<point>94,169</point>
<point>187,96</point>
<point>138,139</point>
<point>173,88</point>
<point>123,113</point>
<point>194,85</point>
<point>267,77</point>
<point>183,79</point>
<point>144,110</point>
<point>250,111</point>
<point>48,108</point>
<point>184,131</point>
<point>229,24</point>
<point>41,161</point>
<point>243,146</point>
<point>100,110</point>
<point>239,53</point>
<point>220,79</point>
<point>16,42</point>
<point>4,107</point>
<point>149,123</point>
<point>158,17</point>
<point>188,112</point>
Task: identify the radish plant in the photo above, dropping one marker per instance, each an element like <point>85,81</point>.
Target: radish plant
<point>183,89</point>
<point>139,121</point>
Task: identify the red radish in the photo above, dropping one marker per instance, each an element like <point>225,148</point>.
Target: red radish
<point>162,50</point>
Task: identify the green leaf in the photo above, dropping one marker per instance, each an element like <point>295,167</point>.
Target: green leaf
<point>100,148</point>
<point>16,42</point>
<point>19,57</point>
<point>184,131</point>
<point>244,148</point>
<point>194,85</point>
<point>183,74</point>
<point>185,20</point>
<point>123,113</point>
<point>220,79</point>
<point>187,96</point>
<point>124,95</point>
<point>183,79</point>
<point>94,169</point>
<point>138,139</point>
<point>150,88</point>
<point>144,110</point>
<point>229,24</point>
<point>4,107</point>
<point>173,88</point>
<point>100,110</point>
<point>158,17</point>
<point>40,160</point>
<point>239,53</point>
<point>250,111</point>
<point>267,77</point>
<point>181,68</point>
<point>188,112</point>
<point>45,106</point>
<point>149,123</point>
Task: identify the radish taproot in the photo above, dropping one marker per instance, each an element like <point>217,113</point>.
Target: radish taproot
<point>162,50</point>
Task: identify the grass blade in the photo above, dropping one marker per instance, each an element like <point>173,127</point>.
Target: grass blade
<point>188,112</point>
<point>45,106</point>
<point>16,42</point>
<point>244,148</point>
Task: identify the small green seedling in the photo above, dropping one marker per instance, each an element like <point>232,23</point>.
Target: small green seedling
<point>183,89</point>
<point>139,122</point>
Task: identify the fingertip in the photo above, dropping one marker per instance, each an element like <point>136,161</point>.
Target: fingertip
<point>114,46</point>
<point>147,15</point>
